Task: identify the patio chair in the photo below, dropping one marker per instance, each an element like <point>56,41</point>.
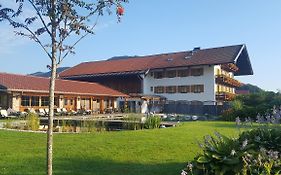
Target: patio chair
<point>88,112</point>
<point>64,111</point>
<point>41,112</point>
<point>12,112</point>
<point>72,112</point>
<point>4,113</point>
<point>58,112</point>
<point>81,112</point>
<point>47,111</point>
<point>23,114</point>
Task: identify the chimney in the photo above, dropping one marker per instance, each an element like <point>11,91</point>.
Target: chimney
<point>196,49</point>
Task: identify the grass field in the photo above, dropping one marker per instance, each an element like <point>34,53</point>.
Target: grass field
<point>143,152</point>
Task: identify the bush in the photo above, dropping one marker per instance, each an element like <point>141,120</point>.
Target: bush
<point>152,122</point>
<point>132,122</point>
<point>32,121</point>
<point>255,152</point>
<point>245,106</point>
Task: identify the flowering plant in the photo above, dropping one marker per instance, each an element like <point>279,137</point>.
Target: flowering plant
<point>255,151</point>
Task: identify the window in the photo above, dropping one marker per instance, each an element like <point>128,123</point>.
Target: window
<point>159,89</point>
<point>183,89</point>
<point>65,101</point>
<point>34,101</point>
<point>171,89</point>
<point>197,71</point>
<point>151,89</point>
<point>159,75</point>
<point>85,103</point>
<point>197,88</point>
<point>56,101</point>
<point>183,73</point>
<point>25,101</point>
<point>44,101</point>
<point>71,102</point>
<point>171,73</point>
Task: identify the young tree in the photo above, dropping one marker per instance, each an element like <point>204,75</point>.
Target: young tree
<point>53,25</point>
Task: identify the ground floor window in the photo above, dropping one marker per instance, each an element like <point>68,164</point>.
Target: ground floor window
<point>85,103</point>
<point>45,101</point>
<point>34,101</point>
<point>25,100</point>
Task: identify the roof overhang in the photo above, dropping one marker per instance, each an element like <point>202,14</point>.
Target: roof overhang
<point>242,61</point>
<point>63,93</point>
<point>104,74</point>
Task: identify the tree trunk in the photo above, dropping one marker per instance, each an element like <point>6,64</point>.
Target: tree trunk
<point>52,92</point>
<point>50,124</point>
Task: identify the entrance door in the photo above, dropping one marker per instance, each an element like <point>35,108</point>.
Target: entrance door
<point>69,103</point>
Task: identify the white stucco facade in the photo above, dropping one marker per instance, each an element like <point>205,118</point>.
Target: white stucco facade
<point>207,79</point>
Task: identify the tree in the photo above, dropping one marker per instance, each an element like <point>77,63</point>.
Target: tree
<point>53,26</point>
<point>251,88</point>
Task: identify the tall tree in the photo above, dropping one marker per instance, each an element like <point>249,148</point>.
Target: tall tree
<point>53,25</point>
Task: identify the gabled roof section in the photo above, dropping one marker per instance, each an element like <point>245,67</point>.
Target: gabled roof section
<point>27,83</point>
<point>211,56</point>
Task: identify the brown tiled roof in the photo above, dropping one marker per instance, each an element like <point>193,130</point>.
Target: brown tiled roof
<point>213,56</point>
<point>26,83</point>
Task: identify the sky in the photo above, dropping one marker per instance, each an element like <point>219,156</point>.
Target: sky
<point>152,27</point>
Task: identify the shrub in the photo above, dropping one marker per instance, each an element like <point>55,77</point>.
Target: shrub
<point>255,152</point>
<point>88,126</point>
<point>32,121</point>
<point>132,122</point>
<point>152,122</point>
<point>245,106</point>
<point>8,124</point>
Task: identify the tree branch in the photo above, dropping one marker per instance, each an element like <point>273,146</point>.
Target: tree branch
<point>78,41</point>
<point>41,18</point>
<point>89,15</point>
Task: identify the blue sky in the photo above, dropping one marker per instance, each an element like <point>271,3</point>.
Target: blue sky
<point>151,27</point>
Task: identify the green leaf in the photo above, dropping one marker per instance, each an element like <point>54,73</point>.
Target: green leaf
<point>203,159</point>
<point>231,161</point>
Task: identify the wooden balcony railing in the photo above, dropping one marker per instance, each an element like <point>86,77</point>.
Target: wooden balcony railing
<point>229,67</point>
<point>225,96</point>
<point>225,80</point>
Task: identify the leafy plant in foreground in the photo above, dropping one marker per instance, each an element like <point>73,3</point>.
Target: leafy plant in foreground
<point>255,151</point>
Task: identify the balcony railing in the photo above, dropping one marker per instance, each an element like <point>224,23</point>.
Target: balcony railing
<point>225,96</point>
<point>225,80</point>
<point>229,67</point>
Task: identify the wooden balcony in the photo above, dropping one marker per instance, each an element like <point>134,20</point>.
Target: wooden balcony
<point>228,81</point>
<point>230,67</point>
<point>225,96</point>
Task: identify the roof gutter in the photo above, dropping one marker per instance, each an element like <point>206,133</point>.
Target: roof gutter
<point>68,93</point>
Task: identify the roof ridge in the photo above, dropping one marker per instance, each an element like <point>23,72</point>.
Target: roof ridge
<point>159,54</point>
<point>24,75</point>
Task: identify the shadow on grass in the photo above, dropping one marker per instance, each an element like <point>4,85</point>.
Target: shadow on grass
<point>98,166</point>
<point>91,166</point>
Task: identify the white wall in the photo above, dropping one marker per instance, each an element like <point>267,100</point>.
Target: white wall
<point>207,79</point>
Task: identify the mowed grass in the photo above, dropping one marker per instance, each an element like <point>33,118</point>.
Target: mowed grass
<point>143,152</point>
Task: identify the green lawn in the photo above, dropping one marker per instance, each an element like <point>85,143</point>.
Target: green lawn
<point>143,152</point>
